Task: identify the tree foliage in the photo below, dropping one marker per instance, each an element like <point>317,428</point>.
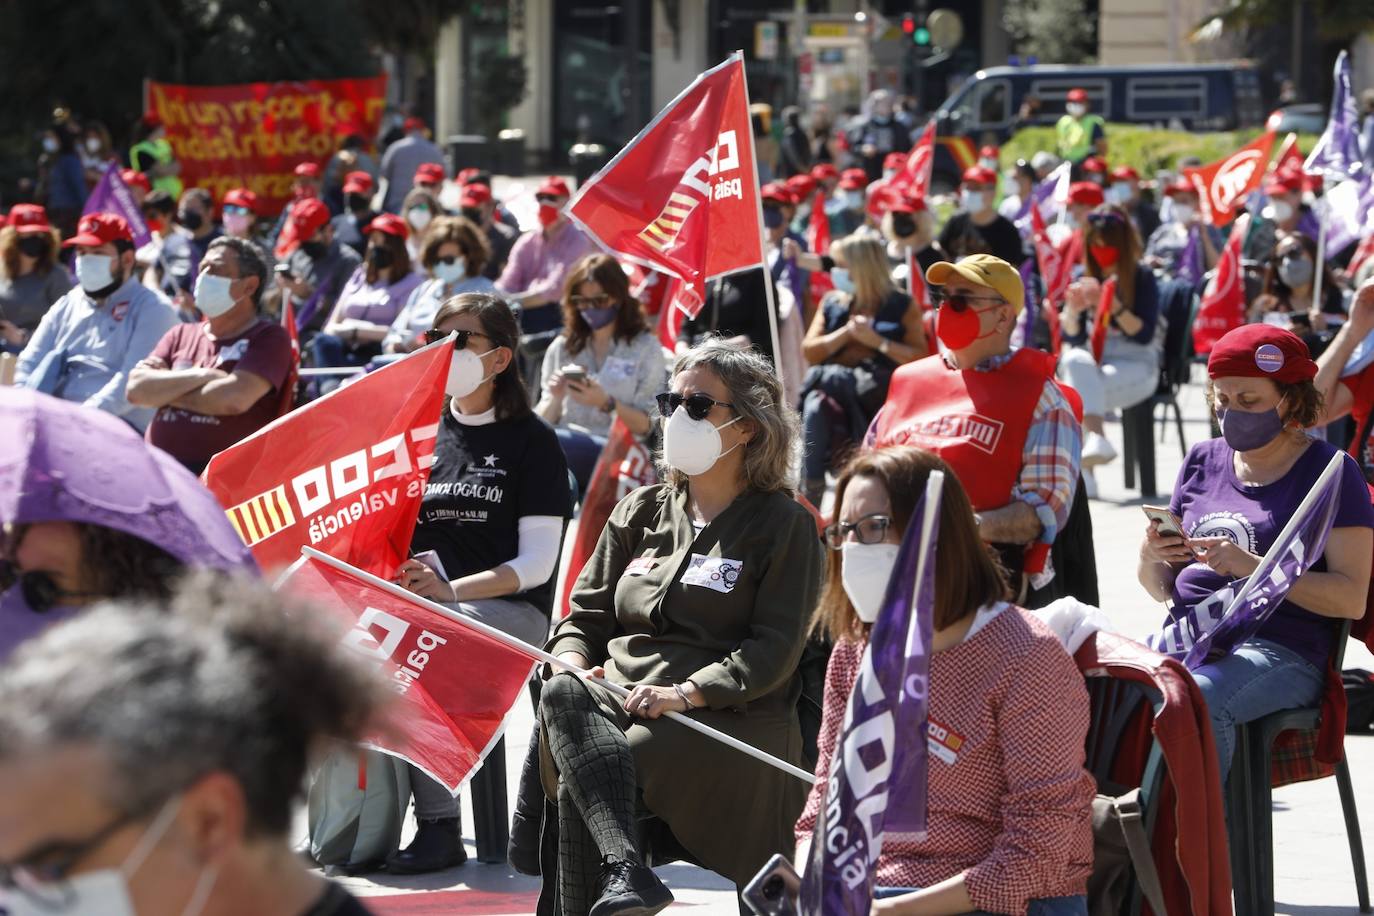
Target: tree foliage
<point>1337,20</point>
<point>1054,31</point>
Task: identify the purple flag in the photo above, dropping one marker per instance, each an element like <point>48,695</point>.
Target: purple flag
<point>1231,615</point>
<point>877,784</point>
<point>1190,259</point>
<point>1347,213</point>
<point>1338,154</point>
<point>112,195</point>
<point>1050,195</point>
<point>1032,307</point>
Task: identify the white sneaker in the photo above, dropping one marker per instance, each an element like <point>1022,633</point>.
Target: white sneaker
<point>1097,450</point>
<point>1089,483</point>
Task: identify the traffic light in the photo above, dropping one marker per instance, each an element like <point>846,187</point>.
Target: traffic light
<point>908,24</point>
<point>921,36</point>
<point>915,30</point>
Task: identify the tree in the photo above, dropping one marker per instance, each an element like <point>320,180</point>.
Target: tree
<point>1054,31</point>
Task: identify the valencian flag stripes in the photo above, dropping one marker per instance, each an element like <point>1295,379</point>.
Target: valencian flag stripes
<point>877,784</point>
<point>1231,615</point>
<point>682,196</point>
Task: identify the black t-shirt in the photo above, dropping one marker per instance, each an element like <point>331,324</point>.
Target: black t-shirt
<point>484,480</point>
<point>961,238</point>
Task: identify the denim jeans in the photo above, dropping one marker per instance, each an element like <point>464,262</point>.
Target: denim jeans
<point>581,449</point>
<point>1257,678</point>
<point>1045,906</point>
<point>816,435</point>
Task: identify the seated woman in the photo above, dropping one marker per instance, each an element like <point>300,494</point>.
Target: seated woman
<point>1165,247</point>
<point>31,280</point>
<point>1009,827</point>
<point>371,299</point>
<point>864,329</point>
<point>1289,284</point>
<point>420,209</point>
<point>696,599</point>
<point>1234,495</point>
<point>493,515</point>
<point>1128,370</point>
<point>605,364</point>
<point>452,255</point>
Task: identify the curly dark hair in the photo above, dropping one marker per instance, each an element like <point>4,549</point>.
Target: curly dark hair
<point>119,565</point>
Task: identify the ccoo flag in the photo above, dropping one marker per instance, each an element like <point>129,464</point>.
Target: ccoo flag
<point>1222,186</point>
<point>876,786</point>
<point>682,196</point>
<point>1223,302</point>
<point>914,178</point>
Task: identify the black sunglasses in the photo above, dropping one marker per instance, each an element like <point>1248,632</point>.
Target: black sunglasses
<point>698,405</point>
<point>960,301</point>
<point>451,259</point>
<point>547,198</point>
<point>871,529</point>
<point>589,302</point>
<point>434,335</point>
<point>1099,220</point>
<point>41,592</point>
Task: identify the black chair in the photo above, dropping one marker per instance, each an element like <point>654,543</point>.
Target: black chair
<point>1249,792</point>
<point>1178,303</point>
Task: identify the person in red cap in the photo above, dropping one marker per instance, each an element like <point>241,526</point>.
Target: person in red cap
<point>152,155</point>
<point>430,176</point>
<point>479,207</point>
<point>785,249</point>
<point>1233,497</point>
<point>1124,188</point>
<point>90,340</point>
<point>240,214</point>
<point>1094,169</point>
<point>977,227</point>
<point>402,159</point>
<point>540,260</point>
<point>1165,246</point>
<point>849,212</point>
<point>31,280</point>
<point>314,260</point>
<point>1284,215</point>
<point>306,181</point>
<point>892,164</point>
<point>909,227</point>
<point>1084,197</point>
<point>137,183</point>
<point>990,157</point>
<point>826,176</point>
<point>348,225</point>
<point>218,380</point>
<point>1078,133</point>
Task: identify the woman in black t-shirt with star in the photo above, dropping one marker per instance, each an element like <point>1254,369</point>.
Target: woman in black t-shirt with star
<point>492,515</point>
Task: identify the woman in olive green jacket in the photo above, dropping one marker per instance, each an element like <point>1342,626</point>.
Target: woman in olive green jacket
<point>697,599</point>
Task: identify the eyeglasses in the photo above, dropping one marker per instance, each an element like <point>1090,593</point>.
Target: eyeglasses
<point>871,529</point>
<point>1103,220</point>
<point>434,335</point>
<point>40,590</point>
<point>547,198</point>
<point>589,302</point>
<point>698,405</point>
<point>47,885</point>
<point>960,301</point>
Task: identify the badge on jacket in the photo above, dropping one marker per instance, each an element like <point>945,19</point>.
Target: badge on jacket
<point>716,573</point>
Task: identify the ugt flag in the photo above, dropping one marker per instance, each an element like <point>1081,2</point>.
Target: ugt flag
<point>455,684</point>
<point>1223,302</point>
<point>1222,186</point>
<point>1231,615</point>
<point>112,195</point>
<point>343,474</point>
<point>877,783</point>
<point>1339,152</point>
<point>682,196</point>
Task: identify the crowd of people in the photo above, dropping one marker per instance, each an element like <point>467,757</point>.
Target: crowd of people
<point>913,335</point>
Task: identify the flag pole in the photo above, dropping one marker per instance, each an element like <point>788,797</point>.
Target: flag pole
<point>540,655</point>
<point>770,296</point>
<point>930,508</point>
<point>1322,214</point>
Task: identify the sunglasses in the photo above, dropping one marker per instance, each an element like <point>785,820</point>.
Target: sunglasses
<point>41,592</point>
<point>698,405</point>
<point>547,198</point>
<point>589,302</point>
<point>434,335</point>
<point>451,259</point>
<point>959,301</point>
<point>1100,220</point>
<point>871,529</point>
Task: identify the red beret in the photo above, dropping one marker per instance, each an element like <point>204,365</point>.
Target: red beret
<point>824,170</point>
<point>1261,351</point>
<point>1085,192</point>
<point>853,179</point>
<point>136,179</point>
<point>307,170</point>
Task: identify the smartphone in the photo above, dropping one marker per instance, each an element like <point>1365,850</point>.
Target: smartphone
<point>775,890</point>
<point>575,374</point>
<point>282,268</point>
<point>1169,525</point>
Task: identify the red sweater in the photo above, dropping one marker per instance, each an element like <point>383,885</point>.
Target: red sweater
<point>1008,800</point>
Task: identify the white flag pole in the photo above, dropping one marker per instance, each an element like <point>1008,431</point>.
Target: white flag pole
<point>930,522</point>
<point>1322,213</point>
<point>540,655</point>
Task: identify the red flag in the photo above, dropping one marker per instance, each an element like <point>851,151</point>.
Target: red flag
<point>916,283</point>
<point>1362,254</point>
<point>343,474</point>
<point>1223,185</point>
<point>672,313</point>
<point>288,388</point>
<point>1055,271</point>
<point>1098,340</point>
<point>625,464</point>
<point>1223,303</point>
<point>682,196</point>
<point>914,178</point>
<point>818,239</point>
<point>1289,156</point>
<point>455,685</point>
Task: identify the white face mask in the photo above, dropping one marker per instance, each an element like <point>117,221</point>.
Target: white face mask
<point>94,271</point>
<point>106,892</point>
<point>93,144</point>
<point>971,201</point>
<point>989,163</point>
<point>1076,109</point>
<point>50,145</point>
<point>466,373</point>
<point>693,446</point>
<point>1282,210</point>
<point>238,224</point>
<point>864,571</point>
<point>213,295</point>
<point>448,274</point>
<point>419,217</point>
<point>852,200</point>
<point>842,280</point>
<point>1183,213</point>
<point>1119,193</point>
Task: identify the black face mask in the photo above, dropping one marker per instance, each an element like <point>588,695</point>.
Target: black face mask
<point>33,246</point>
<point>472,215</point>
<point>903,225</point>
<point>380,258</point>
<point>358,203</point>
<point>314,250</point>
<point>190,219</point>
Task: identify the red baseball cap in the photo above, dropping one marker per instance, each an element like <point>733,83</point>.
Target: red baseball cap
<point>152,119</point>
<point>1086,192</point>
<point>553,186</point>
<point>413,123</point>
<point>389,223</point>
<point>1284,181</point>
<point>989,152</point>
<point>1095,164</point>
<point>824,170</point>
<point>979,174</point>
<point>136,179</point>
<point>1078,95</point>
<point>1261,351</point>
<point>308,170</point>
<point>853,179</point>
<point>778,192</point>
<point>466,175</point>
<point>357,183</point>
<point>242,197</point>
<point>475,195</point>
<point>908,204</point>
<point>29,219</point>
<point>894,162</point>
<point>429,173</point>
<point>801,186</point>
<point>307,216</point>
<point>1180,185</point>
<point>1125,173</point>
<point>99,229</point>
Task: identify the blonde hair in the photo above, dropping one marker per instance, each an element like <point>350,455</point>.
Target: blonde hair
<point>866,258</point>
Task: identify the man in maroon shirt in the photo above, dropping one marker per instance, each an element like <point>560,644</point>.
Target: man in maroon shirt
<point>217,381</point>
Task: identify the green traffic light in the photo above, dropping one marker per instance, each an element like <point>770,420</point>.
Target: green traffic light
<point>921,36</point>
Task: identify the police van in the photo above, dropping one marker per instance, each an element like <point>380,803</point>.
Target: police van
<point>987,107</point>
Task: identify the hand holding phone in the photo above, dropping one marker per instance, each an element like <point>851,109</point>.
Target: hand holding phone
<point>1160,544</point>
<point>1169,524</point>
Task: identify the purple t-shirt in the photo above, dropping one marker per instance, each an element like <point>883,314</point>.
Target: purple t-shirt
<point>1212,502</point>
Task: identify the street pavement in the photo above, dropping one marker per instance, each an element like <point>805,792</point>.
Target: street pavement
<point>1313,874</point>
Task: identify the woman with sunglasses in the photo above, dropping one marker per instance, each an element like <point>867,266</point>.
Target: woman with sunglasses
<point>605,364</point>
<point>1286,294</point>
<point>696,599</point>
<point>490,525</point>
<point>453,254</point>
<point>1112,359</point>
<point>1010,804</point>
<point>31,279</point>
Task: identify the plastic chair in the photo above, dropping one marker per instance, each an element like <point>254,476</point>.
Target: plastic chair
<point>1178,302</point>
<point>1250,802</point>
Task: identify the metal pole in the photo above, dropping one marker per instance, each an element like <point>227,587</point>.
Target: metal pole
<point>769,296</point>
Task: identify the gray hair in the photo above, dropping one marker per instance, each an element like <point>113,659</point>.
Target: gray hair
<point>770,456</point>
<point>252,262</point>
<point>227,677</point>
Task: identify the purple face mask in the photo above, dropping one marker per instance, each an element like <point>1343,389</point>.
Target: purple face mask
<point>1246,430</point>
<point>598,318</point>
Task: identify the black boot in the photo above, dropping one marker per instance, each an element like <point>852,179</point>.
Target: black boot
<point>629,889</point>
<point>438,844</point>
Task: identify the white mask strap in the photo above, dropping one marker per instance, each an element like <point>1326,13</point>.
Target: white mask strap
<point>151,837</point>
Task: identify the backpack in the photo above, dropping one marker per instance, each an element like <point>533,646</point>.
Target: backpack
<point>1359,701</point>
<point>1121,852</point>
<point>356,807</point>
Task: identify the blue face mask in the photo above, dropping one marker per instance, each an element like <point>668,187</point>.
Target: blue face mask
<point>842,280</point>
<point>772,217</point>
<point>1246,430</point>
<point>598,318</point>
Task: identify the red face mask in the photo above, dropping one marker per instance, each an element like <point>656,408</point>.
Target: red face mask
<point>1105,255</point>
<point>958,330</point>
<point>304,191</point>
<point>548,215</point>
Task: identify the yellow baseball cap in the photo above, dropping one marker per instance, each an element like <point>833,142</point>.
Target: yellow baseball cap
<point>983,270</point>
